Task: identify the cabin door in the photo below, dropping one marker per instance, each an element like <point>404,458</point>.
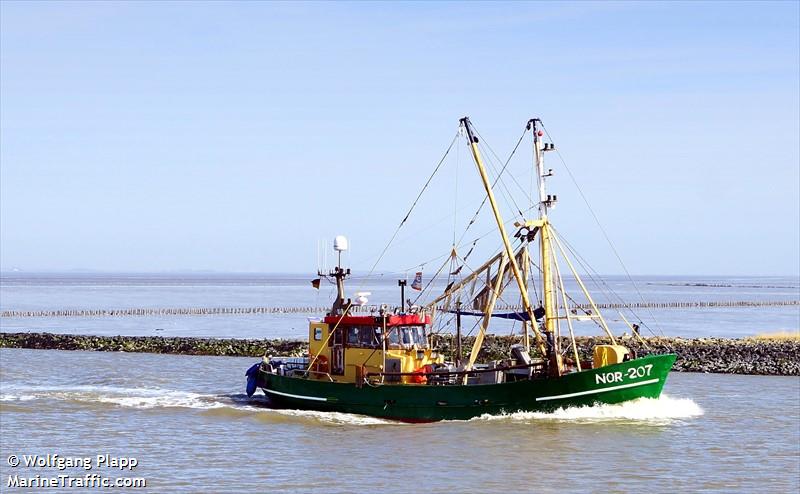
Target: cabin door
<point>337,352</point>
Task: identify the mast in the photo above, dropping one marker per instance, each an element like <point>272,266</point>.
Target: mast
<point>545,201</point>
<point>402,284</point>
<point>340,245</point>
<point>512,259</point>
<point>548,283</point>
<point>525,260</point>
<point>457,359</point>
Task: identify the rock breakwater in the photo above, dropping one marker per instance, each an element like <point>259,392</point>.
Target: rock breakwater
<point>711,355</point>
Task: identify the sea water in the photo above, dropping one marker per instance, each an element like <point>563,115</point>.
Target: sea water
<point>123,291</point>
<point>189,426</point>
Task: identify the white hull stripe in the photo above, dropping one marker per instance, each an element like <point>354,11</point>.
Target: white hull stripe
<point>301,397</point>
<point>595,391</point>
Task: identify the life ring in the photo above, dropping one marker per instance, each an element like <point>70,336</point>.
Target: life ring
<point>321,364</point>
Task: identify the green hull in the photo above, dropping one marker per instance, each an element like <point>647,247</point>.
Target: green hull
<point>639,378</point>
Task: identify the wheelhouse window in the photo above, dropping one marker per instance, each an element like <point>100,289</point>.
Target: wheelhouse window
<point>407,337</point>
<point>420,338</point>
<point>353,336</point>
<point>371,337</point>
<point>364,336</point>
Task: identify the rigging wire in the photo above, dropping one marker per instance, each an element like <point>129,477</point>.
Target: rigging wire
<point>436,224</point>
<point>485,198</point>
<point>413,205</point>
<point>504,192</point>
<point>460,245</point>
<point>608,239</point>
<point>472,330</point>
<point>539,270</point>
<point>455,199</point>
<point>598,280</point>
<point>424,187</point>
<point>477,212</point>
<point>483,202</point>
<point>438,272</point>
<point>585,311</point>
<point>489,285</point>
<point>520,187</point>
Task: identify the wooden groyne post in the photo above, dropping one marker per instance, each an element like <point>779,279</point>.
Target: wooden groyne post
<point>212,311</point>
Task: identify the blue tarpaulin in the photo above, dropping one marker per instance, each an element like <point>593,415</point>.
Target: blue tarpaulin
<point>518,316</point>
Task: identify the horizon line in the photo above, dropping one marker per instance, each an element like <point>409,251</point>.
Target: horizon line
<point>6,273</point>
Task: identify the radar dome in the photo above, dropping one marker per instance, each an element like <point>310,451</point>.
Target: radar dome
<point>340,243</point>
<point>361,298</point>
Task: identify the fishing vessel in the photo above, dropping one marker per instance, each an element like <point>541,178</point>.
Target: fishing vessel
<point>381,360</point>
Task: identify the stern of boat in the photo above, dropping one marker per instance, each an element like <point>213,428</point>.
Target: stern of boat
<point>642,377</point>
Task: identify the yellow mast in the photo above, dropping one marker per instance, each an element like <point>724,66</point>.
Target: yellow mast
<point>496,290</point>
<point>596,312</point>
<point>457,286</point>
<point>566,314</point>
<point>548,283</point>
<point>512,260</point>
<point>547,278</point>
<point>525,259</point>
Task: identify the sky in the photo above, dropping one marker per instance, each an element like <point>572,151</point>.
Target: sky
<point>194,136</point>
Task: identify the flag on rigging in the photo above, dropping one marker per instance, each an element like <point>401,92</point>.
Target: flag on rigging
<point>315,283</point>
<point>417,283</point>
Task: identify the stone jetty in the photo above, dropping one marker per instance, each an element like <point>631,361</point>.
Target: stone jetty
<point>710,355</point>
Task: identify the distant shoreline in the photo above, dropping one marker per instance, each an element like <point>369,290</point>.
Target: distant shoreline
<point>209,277</point>
<point>779,357</point>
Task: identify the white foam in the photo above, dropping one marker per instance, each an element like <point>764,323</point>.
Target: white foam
<point>7,397</point>
<point>122,396</point>
<point>645,410</point>
<point>336,418</point>
<point>164,399</point>
<point>147,398</point>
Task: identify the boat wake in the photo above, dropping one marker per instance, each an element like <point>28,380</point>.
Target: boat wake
<point>334,418</point>
<point>224,405</point>
<point>113,395</point>
<point>663,410</point>
<point>658,411</point>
